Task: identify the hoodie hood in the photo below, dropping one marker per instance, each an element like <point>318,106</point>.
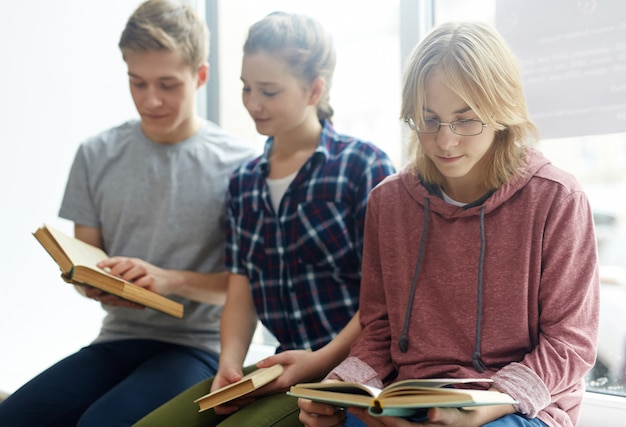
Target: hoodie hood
<point>534,163</point>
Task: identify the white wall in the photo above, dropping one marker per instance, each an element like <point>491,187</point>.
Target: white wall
<point>63,80</point>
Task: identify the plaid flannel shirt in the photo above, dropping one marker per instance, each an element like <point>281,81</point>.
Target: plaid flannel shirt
<point>304,261</point>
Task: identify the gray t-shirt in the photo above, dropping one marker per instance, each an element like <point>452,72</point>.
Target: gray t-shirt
<point>163,204</point>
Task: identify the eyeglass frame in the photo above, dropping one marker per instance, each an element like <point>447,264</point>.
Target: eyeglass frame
<point>411,124</point>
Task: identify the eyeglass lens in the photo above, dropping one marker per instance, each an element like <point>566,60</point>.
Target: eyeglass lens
<point>460,127</point>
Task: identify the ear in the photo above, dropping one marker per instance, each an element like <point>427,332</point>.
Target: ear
<point>317,90</point>
<point>203,74</point>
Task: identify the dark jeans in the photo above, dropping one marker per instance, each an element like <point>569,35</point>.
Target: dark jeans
<point>107,384</point>
<point>515,420</point>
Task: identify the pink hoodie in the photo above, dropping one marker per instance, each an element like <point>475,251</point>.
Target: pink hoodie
<point>506,289</point>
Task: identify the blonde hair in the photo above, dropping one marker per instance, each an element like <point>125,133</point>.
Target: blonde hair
<point>169,25</point>
<point>305,46</point>
<point>476,64</point>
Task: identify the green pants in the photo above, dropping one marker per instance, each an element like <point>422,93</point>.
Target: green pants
<point>277,410</point>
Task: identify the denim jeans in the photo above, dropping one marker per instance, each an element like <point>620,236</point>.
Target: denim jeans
<point>516,420</point>
<point>513,420</point>
<point>107,384</point>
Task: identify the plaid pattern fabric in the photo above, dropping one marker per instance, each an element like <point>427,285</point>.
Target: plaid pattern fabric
<point>304,261</point>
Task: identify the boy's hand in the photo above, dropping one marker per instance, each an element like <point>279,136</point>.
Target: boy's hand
<point>139,272</point>
<point>106,298</point>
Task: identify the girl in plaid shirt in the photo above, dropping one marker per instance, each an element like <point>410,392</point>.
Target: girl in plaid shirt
<point>296,217</point>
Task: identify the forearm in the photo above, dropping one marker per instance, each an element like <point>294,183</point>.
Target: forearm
<point>238,322</point>
<point>236,336</point>
<point>306,366</point>
<point>209,288</point>
<point>333,353</point>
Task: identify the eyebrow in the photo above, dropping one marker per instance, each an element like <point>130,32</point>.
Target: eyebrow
<point>461,111</point>
<point>135,76</point>
<point>261,83</point>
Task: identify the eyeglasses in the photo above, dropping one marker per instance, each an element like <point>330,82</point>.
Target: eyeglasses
<point>469,127</point>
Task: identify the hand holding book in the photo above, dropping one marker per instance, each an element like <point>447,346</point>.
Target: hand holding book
<point>107,298</point>
<point>402,398</point>
<point>249,383</point>
<point>79,265</point>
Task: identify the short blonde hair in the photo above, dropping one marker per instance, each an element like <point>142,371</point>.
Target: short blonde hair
<point>305,46</point>
<point>170,25</point>
<point>476,64</point>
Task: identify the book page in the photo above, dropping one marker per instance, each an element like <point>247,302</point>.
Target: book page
<point>79,252</point>
<point>342,387</point>
<point>434,382</point>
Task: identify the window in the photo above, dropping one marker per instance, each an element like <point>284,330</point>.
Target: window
<point>366,87</point>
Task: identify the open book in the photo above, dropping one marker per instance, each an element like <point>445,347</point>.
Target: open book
<point>403,398</point>
<point>78,260</point>
<point>248,383</point>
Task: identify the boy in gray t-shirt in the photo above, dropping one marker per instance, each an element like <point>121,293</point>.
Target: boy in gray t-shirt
<point>151,193</point>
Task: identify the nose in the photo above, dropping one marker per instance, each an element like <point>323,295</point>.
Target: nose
<point>251,102</point>
<point>152,98</point>
<point>446,138</point>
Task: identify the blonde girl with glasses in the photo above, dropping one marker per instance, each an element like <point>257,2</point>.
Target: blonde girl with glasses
<point>479,257</point>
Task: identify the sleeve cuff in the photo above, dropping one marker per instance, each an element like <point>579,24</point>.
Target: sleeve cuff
<point>354,370</point>
<point>521,383</point>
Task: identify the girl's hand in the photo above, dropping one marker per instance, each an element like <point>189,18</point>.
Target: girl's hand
<point>314,414</point>
<point>224,377</point>
<point>299,366</point>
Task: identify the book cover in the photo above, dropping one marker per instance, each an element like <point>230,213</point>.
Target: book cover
<point>248,383</point>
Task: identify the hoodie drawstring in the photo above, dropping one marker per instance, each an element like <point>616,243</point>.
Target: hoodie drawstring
<point>476,361</point>
<point>403,342</point>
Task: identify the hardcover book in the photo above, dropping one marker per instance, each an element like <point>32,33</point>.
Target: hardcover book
<point>78,262</point>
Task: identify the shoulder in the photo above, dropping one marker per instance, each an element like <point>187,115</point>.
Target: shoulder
<point>341,146</point>
<point>542,172</point>
<point>364,163</point>
<point>212,132</point>
<point>395,181</point>
<point>247,172</point>
<point>221,138</point>
<point>110,140</point>
<point>114,134</point>
<point>358,149</point>
<point>559,177</point>
<point>543,190</point>
<point>227,147</point>
<point>393,187</point>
